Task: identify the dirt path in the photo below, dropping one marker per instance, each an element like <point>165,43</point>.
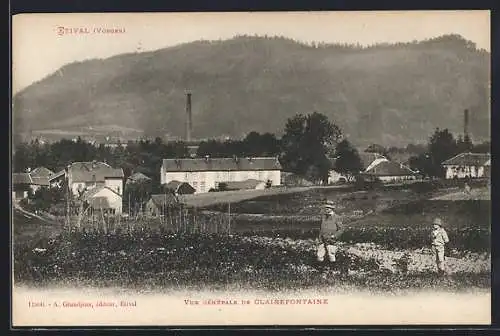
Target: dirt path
<point>30,228</point>
<point>475,194</point>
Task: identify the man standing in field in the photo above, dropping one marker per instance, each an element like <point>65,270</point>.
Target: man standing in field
<point>329,231</point>
<point>439,239</point>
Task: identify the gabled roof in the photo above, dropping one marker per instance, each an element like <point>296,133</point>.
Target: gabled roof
<point>41,172</point>
<point>93,171</point>
<point>21,178</point>
<point>469,159</point>
<point>89,194</point>
<point>242,185</point>
<point>389,168</point>
<point>368,160</point>
<point>138,177</point>
<point>161,200</point>
<point>221,164</point>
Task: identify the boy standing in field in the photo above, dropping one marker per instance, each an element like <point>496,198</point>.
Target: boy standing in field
<point>439,239</point>
<point>329,231</point>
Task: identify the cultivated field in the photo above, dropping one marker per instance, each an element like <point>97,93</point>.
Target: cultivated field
<point>271,246</point>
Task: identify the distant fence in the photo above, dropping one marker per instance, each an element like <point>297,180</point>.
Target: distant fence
<point>181,220</point>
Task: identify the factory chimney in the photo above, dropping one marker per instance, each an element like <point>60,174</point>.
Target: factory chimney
<point>466,124</point>
<point>189,121</point>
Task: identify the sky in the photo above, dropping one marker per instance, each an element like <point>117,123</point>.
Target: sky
<point>43,43</point>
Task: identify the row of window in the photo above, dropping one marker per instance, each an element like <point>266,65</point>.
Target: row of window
<point>221,176</point>
<point>261,175</point>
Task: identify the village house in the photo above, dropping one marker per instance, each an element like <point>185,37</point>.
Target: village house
<point>160,204</point>
<point>30,181</point>
<point>21,185</point>
<point>83,176</point>
<point>103,198</point>
<point>468,165</point>
<point>206,173</point>
<point>40,178</point>
<point>389,171</point>
<point>368,161</point>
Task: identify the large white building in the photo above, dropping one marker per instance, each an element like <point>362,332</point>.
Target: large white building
<point>206,173</point>
<point>471,165</point>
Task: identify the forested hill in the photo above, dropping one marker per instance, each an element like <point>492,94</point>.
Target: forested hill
<point>386,94</point>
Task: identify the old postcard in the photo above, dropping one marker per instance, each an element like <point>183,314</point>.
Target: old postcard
<point>198,169</point>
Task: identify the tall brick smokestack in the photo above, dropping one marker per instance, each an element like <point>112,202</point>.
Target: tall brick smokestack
<point>189,120</point>
<point>466,124</point>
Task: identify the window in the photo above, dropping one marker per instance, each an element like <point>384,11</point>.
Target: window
<point>118,189</point>
<point>202,186</point>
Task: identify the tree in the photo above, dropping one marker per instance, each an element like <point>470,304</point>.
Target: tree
<point>348,162</point>
<point>136,194</point>
<point>44,198</point>
<point>484,147</point>
<point>441,147</point>
<point>305,145</point>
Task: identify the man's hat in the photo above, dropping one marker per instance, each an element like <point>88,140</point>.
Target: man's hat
<point>437,221</point>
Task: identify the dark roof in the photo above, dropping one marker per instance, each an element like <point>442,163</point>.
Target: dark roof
<point>221,164</point>
<point>469,159</point>
<point>241,185</point>
<point>138,177</point>
<point>41,172</point>
<point>21,178</point>
<point>85,171</point>
<point>164,200</point>
<point>389,168</point>
<point>179,187</point>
